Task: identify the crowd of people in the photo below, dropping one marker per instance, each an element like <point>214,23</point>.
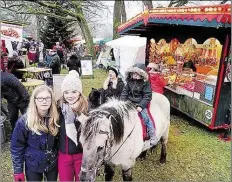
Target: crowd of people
<point>30,52</point>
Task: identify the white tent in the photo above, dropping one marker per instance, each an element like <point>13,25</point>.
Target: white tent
<point>104,56</point>
<point>128,50</point>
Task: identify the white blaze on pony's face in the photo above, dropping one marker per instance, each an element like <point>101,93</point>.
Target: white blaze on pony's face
<point>93,140</point>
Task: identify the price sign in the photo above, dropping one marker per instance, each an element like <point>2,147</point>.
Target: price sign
<point>208,93</point>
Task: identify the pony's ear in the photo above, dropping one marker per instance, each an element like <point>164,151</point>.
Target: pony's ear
<point>93,88</point>
<point>82,118</point>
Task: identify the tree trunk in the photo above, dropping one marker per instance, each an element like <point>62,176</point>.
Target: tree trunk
<point>119,16</point>
<point>148,4</point>
<point>38,24</point>
<point>85,31</point>
<point>123,12</point>
<point>116,19</point>
<point>87,36</point>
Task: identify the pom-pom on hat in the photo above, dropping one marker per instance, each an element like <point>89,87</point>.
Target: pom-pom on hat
<point>71,82</point>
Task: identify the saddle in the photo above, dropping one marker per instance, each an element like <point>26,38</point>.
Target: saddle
<point>144,128</point>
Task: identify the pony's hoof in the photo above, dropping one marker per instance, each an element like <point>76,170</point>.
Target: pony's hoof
<point>152,149</point>
<point>141,158</point>
<point>162,164</point>
<point>162,161</point>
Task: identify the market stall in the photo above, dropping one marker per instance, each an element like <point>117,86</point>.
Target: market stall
<point>191,46</point>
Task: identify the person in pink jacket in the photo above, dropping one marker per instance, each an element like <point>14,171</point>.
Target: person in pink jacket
<point>157,81</point>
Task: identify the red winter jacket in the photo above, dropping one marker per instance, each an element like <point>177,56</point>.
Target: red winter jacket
<point>157,82</point>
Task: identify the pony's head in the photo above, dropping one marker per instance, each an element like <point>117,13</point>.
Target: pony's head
<point>103,129</point>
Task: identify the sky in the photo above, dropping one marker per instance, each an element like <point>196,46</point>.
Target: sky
<point>105,23</point>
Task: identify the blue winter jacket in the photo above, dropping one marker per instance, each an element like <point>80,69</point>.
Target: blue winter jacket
<point>39,152</point>
<point>48,60</point>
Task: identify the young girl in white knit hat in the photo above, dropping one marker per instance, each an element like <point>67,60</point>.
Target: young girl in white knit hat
<point>70,151</point>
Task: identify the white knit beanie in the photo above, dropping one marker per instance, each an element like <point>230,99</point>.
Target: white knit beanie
<point>71,82</point>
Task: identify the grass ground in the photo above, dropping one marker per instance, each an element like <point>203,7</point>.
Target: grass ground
<point>194,153</point>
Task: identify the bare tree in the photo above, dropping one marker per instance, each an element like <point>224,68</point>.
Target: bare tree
<point>9,9</point>
<point>75,11</point>
<point>119,16</point>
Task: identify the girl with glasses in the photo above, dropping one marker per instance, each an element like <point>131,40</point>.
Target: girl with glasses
<point>70,150</point>
<point>34,140</point>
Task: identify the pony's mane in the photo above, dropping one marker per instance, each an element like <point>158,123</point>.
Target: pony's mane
<point>114,110</point>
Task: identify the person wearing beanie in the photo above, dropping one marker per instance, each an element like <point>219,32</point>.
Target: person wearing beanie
<point>113,85</point>
<point>138,91</point>
<point>71,103</point>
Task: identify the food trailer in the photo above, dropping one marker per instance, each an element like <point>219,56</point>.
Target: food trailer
<point>199,36</point>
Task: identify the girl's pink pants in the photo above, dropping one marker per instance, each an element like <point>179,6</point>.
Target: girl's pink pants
<point>69,166</point>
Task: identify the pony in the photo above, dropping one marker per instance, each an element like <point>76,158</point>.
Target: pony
<point>112,135</point>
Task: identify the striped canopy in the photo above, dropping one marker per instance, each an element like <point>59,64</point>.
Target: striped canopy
<point>217,16</point>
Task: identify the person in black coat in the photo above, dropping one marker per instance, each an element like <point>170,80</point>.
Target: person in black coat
<point>16,95</point>
<point>74,63</point>
<point>15,63</point>
<point>113,85</point>
<point>138,91</point>
<point>55,62</point>
<point>34,141</point>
